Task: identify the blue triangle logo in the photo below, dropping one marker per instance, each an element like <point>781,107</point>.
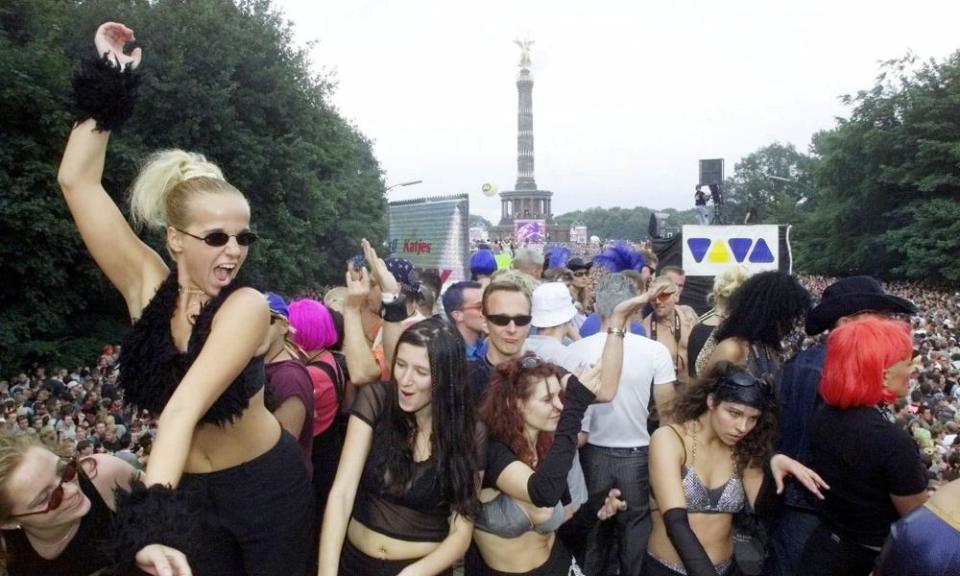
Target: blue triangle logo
<point>698,247</point>
<point>739,246</point>
<point>761,253</point>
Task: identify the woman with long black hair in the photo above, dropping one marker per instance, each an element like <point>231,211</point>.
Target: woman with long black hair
<point>195,355</point>
<point>405,494</point>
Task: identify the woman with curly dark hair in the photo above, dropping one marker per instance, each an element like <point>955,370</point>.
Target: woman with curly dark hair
<point>405,494</point>
<point>762,311</point>
<point>705,465</point>
<point>528,523</point>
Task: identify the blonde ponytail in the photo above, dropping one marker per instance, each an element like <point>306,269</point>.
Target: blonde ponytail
<point>166,182</point>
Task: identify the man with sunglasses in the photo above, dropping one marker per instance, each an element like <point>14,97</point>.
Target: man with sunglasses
<point>844,301</point>
<point>462,303</point>
<point>506,310</point>
<point>668,324</point>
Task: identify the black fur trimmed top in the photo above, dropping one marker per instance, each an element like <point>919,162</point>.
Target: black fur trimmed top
<point>151,365</point>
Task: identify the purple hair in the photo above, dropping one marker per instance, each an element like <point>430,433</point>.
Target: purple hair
<point>313,324</point>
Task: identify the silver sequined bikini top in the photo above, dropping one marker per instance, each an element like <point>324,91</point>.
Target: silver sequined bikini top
<point>725,499</point>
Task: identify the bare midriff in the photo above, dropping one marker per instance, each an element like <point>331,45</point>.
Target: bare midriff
<point>521,554</point>
<point>383,547</point>
<point>714,531</point>
<point>215,448</point>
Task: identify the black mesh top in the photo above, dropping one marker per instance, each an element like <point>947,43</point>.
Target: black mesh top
<point>416,512</point>
<point>151,366</point>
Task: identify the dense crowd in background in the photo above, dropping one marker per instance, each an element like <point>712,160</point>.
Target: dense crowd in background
<point>80,411</point>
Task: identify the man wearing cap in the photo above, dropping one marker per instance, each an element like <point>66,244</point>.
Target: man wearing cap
<point>551,313</point>
<point>846,300</point>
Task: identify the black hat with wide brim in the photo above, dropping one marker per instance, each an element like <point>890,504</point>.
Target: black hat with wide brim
<point>854,295</point>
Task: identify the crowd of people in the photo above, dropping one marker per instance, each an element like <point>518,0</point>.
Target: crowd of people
<point>560,414</point>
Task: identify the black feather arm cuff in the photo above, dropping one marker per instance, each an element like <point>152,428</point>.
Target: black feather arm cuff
<point>105,92</point>
<point>150,515</point>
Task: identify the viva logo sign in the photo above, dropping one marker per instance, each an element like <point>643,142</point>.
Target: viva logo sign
<point>739,250</point>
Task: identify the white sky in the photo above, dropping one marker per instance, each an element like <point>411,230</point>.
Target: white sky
<point>628,94</point>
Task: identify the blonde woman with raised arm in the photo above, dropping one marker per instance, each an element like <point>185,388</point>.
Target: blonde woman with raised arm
<point>224,483</point>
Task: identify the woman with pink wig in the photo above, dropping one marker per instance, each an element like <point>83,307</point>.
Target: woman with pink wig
<point>315,333</point>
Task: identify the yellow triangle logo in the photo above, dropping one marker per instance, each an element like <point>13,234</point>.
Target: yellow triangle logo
<point>719,253</point>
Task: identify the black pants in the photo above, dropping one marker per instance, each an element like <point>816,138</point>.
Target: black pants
<point>827,554</point>
<point>326,457</point>
<point>353,562</point>
<point>257,518</point>
<point>559,563</point>
<point>628,531</point>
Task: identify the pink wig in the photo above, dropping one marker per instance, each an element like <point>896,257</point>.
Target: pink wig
<point>313,325</point>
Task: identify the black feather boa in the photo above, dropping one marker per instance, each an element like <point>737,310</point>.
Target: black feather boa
<point>145,515</point>
<point>105,92</point>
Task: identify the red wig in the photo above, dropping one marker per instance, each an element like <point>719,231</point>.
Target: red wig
<point>857,355</point>
<point>501,408</point>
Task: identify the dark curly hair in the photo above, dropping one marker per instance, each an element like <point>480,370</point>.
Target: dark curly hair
<point>454,434</point>
<point>691,403</point>
<point>500,409</point>
<point>765,309</point>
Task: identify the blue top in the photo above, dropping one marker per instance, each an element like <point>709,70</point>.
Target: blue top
<point>925,541</point>
<point>592,325</point>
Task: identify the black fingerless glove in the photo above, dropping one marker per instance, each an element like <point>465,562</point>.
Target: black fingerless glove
<point>547,484</point>
<point>691,551</point>
<point>104,92</point>
<point>150,515</point>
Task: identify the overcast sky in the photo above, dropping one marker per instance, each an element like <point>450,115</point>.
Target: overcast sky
<point>628,94</point>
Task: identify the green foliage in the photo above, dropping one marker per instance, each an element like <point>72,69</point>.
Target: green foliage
<point>770,184</point>
<point>478,220</point>
<point>623,223</point>
<point>888,178</point>
<point>220,78</point>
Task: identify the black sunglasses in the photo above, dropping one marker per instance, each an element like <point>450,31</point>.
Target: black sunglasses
<point>67,474</point>
<point>504,320</point>
<point>580,273</point>
<point>220,238</point>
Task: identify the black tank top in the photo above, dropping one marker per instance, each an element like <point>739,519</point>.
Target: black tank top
<point>151,366</point>
<point>80,558</point>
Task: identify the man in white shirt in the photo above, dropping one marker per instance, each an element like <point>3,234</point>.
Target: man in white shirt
<point>616,453</point>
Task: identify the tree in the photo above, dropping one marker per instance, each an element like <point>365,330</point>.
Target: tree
<point>477,220</point>
<point>770,184</point>
<point>623,223</point>
<point>247,100</point>
<point>888,178</point>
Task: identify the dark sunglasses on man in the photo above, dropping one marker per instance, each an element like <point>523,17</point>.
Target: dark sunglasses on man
<point>220,238</point>
<point>504,320</point>
<point>580,273</point>
<point>68,471</point>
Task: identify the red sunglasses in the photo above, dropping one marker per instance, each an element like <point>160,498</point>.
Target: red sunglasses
<point>67,474</point>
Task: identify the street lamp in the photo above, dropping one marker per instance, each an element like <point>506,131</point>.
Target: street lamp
<point>401,184</point>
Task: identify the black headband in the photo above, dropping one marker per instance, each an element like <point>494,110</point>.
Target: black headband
<point>744,388</point>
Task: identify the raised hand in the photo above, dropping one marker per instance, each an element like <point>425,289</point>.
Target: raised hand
<point>378,268</point>
<point>358,288</point>
<point>111,38</point>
